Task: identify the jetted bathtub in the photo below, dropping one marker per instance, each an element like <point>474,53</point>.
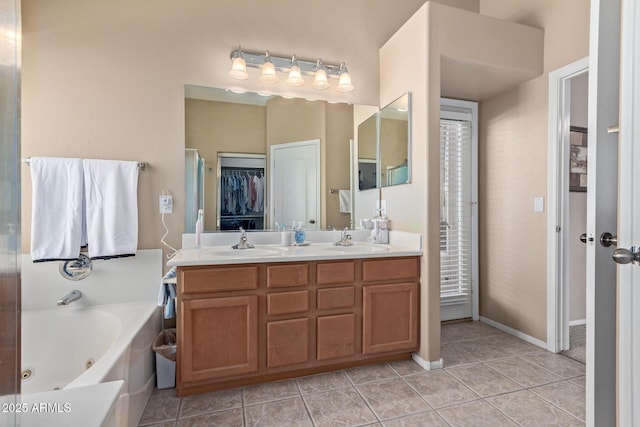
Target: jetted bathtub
<point>75,346</point>
<point>104,336</point>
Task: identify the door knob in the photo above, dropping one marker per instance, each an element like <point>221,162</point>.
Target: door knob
<point>312,221</point>
<point>626,256</point>
<point>607,239</point>
<point>583,237</point>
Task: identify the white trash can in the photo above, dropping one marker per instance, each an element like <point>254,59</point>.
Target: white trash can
<point>165,348</point>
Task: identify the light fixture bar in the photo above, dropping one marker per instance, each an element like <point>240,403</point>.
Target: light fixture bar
<point>282,63</point>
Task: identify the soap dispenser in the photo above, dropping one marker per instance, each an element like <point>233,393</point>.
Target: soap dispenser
<point>380,232</point>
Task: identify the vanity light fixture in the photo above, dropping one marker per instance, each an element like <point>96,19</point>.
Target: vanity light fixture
<point>238,66</point>
<point>295,74</point>
<point>295,68</point>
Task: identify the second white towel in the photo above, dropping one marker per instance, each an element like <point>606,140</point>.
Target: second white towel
<point>111,192</point>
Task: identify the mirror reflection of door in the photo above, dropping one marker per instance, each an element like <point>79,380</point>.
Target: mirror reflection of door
<point>295,184</point>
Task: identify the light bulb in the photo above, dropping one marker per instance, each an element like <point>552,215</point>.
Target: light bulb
<point>295,75</point>
<point>320,81</point>
<point>268,71</point>
<point>344,82</point>
<point>238,67</point>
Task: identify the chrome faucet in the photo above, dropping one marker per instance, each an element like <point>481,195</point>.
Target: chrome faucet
<point>345,239</point>
<point>70,297</point>
<point>243,241</point>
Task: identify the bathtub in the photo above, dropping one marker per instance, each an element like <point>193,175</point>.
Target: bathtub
<point>69,347</point>
<point>87,343</point>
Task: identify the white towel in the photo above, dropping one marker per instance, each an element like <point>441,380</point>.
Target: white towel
<point>57,208</point>
<point>111,193</point>
<point>345,201</point>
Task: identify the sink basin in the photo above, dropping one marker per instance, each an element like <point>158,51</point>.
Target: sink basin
<point>357,249</point>
<point>247,253</point>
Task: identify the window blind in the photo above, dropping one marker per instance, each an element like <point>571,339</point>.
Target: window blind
<point>455,212</point>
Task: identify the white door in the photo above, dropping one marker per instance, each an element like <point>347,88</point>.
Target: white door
<point>295,184</point>
<point>629,208</point>
<point>458,210</point>
<point>602,204</point>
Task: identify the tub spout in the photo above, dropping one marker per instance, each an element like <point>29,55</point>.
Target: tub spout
<point>70,297</point>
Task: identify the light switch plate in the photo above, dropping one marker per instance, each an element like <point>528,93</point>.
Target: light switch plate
<point>538,204</point>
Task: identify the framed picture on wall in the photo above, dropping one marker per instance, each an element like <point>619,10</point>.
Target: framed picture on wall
<point>578,159</point>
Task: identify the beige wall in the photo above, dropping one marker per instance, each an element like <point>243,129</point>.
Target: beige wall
<point>513,170</point>
<point>214,127</point>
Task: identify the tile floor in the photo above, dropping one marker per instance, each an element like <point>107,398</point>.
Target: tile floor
<point>490,379</point>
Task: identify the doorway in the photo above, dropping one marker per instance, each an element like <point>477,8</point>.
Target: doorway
<point>564,245</point>
<point>294,193</point>
<point>458,210</point>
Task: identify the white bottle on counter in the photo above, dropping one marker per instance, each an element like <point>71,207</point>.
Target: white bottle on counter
<point>199,227</point>
<point>380,232</point>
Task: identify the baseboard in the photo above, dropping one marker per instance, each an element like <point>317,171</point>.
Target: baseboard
<point>514,332</point>
<point>427,365</point>
<point>578,322</point>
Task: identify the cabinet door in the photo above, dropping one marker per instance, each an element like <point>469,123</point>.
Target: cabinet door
<point>287,342</point>
<point>219,337</point>
<point>336,336</point>
<point>389,317</point>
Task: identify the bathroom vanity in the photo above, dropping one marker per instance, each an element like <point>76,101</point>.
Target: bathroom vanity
<point>249,317</point>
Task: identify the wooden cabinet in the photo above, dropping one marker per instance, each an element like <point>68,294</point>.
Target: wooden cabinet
<point>249,323</point>
<point>218,337</point>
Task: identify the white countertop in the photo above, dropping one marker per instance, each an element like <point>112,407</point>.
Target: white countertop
<point>216,255</point>
<point>219,251</point>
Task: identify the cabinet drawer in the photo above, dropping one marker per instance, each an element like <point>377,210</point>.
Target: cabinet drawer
<point>219,279</point>
<point>287,302</point>
<point>284,276</point>
<point>335,272</point>
<point>390,269</point>
<point>331,298</point>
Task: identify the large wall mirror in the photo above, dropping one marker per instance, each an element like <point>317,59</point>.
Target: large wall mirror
<point>384,146</point>
<point>224,127</point>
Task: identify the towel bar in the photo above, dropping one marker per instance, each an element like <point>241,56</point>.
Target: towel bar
<point>141,165</point>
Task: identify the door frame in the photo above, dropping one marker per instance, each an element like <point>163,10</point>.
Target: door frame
<point>628,294</point>
<point>272,149</point>
<point>558,204</point>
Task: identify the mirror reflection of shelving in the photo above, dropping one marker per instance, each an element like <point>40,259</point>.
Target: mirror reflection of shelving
<point>241,191</point>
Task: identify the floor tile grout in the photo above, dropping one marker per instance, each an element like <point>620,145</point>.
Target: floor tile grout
<point>388,368</point>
